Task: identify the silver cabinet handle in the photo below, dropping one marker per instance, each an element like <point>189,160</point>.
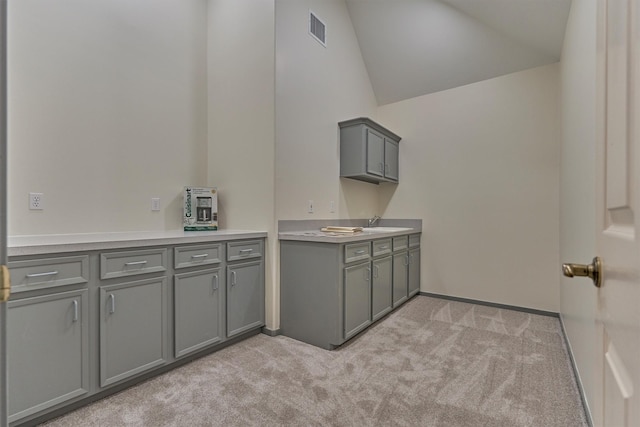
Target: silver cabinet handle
<point>75,310</point>
<point>360,252</point>
<point>406,260</point>
<point>48,273</point>
<point>382,248</point>
<point>233,278</point>
<point>112,300</point>
<point>200,256</point>
<point>375,271</point>
<point>368,275</point>
<point>245,251</point>
<point>135,263</point>
<point>215,282</point>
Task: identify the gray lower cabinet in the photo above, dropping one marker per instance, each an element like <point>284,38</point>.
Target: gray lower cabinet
<point>381,287</point>
<point>85,323</point>
<point>132,328</point>
<point>48,351</point>
<point>197,306</point>
<point>414,272</point>
<point>400,277</point>
<point>245,297</point>
<point>330,292</point>
<point>357,298</point>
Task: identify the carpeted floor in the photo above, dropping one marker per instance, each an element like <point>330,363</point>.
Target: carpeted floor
<point>433,362</point>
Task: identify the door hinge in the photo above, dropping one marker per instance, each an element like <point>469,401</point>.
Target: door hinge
<point>5,283</point>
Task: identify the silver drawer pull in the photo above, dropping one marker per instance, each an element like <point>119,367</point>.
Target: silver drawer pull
<point>75,310</point>
<point>382,248</point>
<point>245,251</point>
<point>233,278</point>
<point>215,282</point>
<point>360,252</point>
<point>200,256</point>
<point>48,273</point>
<point>128,264</point>
<point>112,308</point>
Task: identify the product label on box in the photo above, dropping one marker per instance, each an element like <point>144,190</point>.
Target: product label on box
<point>200,209</point>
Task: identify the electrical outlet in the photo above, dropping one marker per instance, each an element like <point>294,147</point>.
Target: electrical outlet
<point>310,206</point>
<point>332,206</point>
<point>36,201</point>
<point>155,203</point>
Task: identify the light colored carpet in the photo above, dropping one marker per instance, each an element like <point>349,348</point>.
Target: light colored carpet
<point>431,363</point>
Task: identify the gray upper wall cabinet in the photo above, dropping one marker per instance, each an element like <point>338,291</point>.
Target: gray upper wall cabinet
<point>368,151</point>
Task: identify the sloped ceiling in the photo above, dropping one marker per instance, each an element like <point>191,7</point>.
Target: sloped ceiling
<point>416,47</point>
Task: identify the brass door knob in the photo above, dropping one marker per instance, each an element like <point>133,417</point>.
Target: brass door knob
<point>593,270</point>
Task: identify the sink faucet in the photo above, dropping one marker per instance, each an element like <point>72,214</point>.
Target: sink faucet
<point>372,221</point>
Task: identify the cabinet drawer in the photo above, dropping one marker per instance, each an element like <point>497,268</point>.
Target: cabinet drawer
<point>400,243</point>
<point>244,250</point>
<point>191,256</point>
<point>381,247</point>
<point>357,251</point>
<point>46,272</point>
<point>131,263</point>
<point>414,240</point>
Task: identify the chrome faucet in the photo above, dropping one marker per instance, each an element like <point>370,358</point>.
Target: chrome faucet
<point>372,221</point>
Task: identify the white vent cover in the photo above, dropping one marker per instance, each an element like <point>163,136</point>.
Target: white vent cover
<point>317,29</point>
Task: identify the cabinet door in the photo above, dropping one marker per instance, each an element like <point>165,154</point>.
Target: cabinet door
<point>48,351</point>
<point>245,297</point>
<point>391,168</point>
<point>357,299</point>
<point>132,328</point>
<point>375,153</point>
<point>381,288</point>
<point>414,272</point>
<point>196,310</point>
<point>400,273</point>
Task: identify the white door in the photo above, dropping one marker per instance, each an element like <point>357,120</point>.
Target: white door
<point>3,208</point>
<point>618,207</point>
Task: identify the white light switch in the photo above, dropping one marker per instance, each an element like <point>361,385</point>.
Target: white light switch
<point>155,203</point>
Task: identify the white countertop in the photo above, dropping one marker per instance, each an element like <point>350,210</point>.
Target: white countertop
<point>56,243</point>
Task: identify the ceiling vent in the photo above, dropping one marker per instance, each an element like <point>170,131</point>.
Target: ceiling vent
<point>317,29</point>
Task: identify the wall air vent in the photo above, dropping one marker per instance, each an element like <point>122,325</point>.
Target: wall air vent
<point>317,29</point>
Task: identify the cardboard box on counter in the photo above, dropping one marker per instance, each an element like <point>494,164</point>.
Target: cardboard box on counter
<point>200,209</point>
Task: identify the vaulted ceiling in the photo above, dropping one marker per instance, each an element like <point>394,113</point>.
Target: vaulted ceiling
<point>416,47</point>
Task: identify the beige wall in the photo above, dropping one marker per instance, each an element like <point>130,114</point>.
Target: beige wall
<point>106,110</point>
<point>110,106</point>
<point>317,87</point>
<point>578,302</point>
<point>479,164</point>
<point>241,122</point>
